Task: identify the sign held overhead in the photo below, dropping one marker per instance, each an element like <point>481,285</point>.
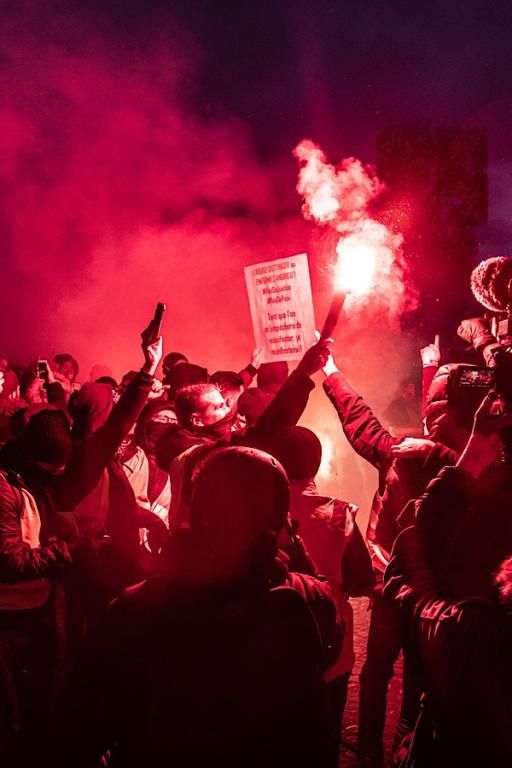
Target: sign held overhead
<point>281,303</point>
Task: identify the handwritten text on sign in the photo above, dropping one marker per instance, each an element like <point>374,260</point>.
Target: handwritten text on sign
<point>281,307</point>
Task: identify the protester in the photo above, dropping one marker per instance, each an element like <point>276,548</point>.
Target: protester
<point>150,484</point>
<point>327,527</point>
<point>405,466</point>
<point>457,624</point>
<point>94,488</point>
<point>404,411</point>
<point>204,418</point>
<point>30,561</point>
<point>223,648</point>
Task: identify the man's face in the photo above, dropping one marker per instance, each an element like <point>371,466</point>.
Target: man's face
<point>214,408</point>
<point>68,371</point>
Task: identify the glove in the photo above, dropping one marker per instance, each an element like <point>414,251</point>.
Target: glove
<point>476,332</point>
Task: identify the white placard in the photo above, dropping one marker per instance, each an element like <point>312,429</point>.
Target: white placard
<point>281,305</point>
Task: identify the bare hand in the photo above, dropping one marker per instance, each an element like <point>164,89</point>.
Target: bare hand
<point>152,355</point>
<point>157,390</point>
<point>431,354</point>
<point>330,366</point>
<point>412,448</point>
<point>315,358</point>
<point>256,357</point>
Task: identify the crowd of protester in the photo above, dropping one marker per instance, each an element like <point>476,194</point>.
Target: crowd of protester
<point>174,588</point>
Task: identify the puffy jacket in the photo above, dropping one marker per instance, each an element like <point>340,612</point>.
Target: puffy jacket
<point>27,560</point>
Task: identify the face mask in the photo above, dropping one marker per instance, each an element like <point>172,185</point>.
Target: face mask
<point>221,430</point>
<point>154,430</point>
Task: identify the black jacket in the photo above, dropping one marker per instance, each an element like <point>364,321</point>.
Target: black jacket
<point>399,480</point>
<point>283,412</point>
<point>455,635</point>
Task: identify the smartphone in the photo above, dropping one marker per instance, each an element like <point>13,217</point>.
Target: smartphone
<point>156,323</point>
<point>42,370</point>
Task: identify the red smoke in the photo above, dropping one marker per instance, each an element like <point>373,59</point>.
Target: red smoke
<point>369,263</point>
<point>115,195</point>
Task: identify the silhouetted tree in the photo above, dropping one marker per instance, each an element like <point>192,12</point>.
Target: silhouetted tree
<point>436,196</point>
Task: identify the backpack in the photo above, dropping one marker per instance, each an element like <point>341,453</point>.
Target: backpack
<point>227,680</point>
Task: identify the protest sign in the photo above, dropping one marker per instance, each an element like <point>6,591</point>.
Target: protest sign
<point>281,307</point>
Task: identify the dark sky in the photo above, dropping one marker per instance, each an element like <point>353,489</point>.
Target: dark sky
<point>339,71</point>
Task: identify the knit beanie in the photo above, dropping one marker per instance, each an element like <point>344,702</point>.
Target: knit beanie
<point>299,451</point>
<point>272,376</point>
<point>48,438</point>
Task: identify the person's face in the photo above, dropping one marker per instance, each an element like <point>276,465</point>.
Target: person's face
<point>68,371</point>
<point>214,409</point>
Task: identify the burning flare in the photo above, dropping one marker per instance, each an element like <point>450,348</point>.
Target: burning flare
<point>370,263</point>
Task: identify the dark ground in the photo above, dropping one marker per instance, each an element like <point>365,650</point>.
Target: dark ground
<point>361,622</point>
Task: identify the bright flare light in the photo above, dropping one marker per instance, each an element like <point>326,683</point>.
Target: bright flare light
<point>356,267</point>
<point>370,267</point>
<point>365,259</point>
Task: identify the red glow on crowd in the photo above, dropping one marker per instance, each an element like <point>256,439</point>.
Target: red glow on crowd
<point>370,263</point>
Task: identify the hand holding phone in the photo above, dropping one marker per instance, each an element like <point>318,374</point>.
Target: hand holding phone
<point>42,370</point>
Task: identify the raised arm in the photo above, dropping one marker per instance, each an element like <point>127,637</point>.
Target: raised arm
<point>249,372</point>
<point>91,455</point>
<point>290,401</point>
<point>362,428</point>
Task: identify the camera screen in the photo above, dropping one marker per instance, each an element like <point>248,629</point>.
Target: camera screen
<point>478,378</point>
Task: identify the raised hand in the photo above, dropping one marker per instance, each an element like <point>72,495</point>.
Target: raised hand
<point>431,354</point>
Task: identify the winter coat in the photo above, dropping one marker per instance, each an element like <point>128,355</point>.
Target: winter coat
<point>326,526</point>
<point>455,635</point>
<point>189,676</point>
<point>28,561</point>
<point>94,486</point>
<point>399,480</point>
